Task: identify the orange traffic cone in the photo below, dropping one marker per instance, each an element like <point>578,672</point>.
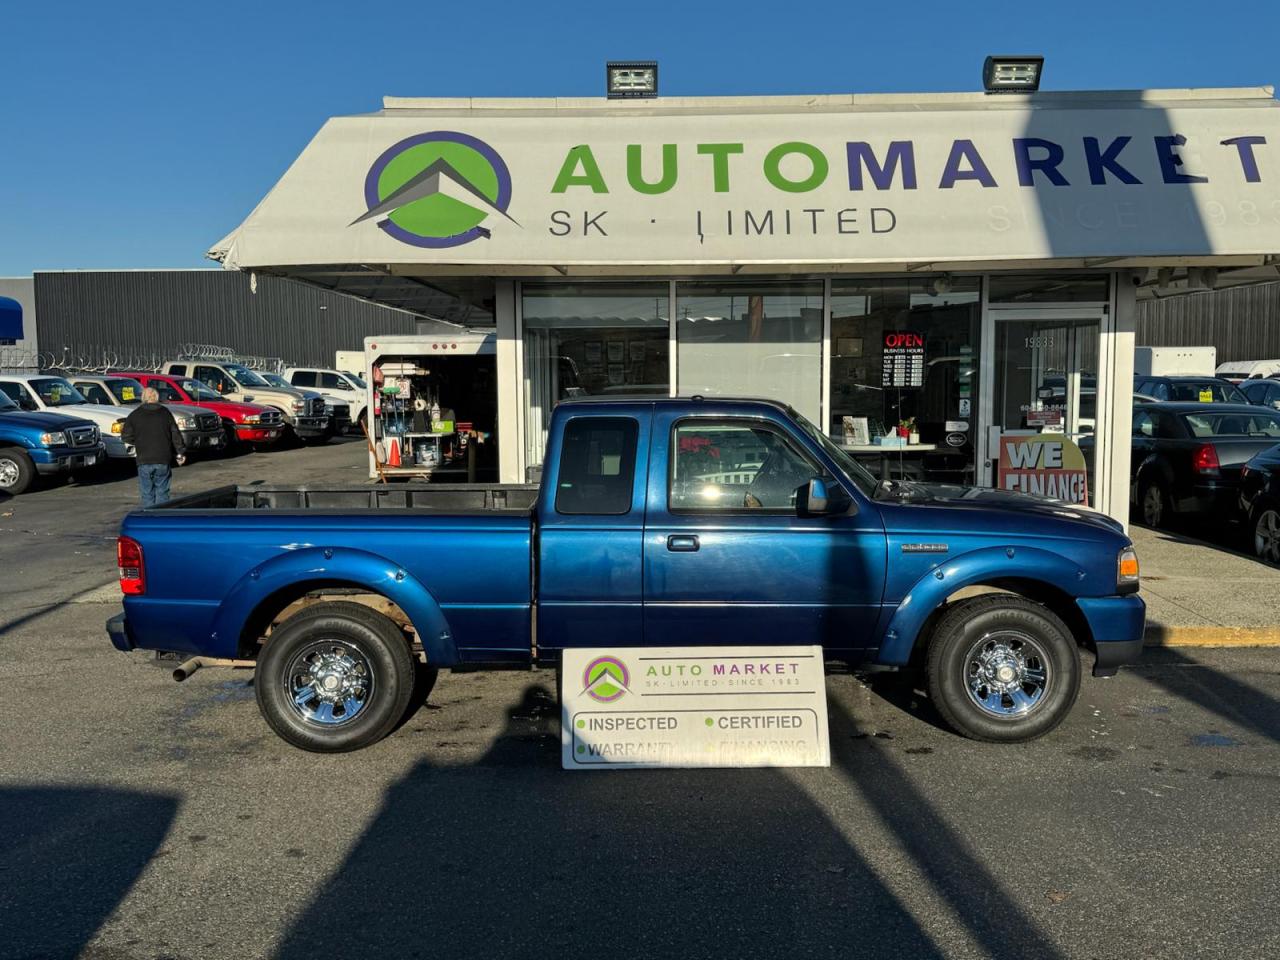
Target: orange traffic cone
<point>393,458</point>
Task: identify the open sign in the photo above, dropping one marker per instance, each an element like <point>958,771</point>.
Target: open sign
<point>904,339</point>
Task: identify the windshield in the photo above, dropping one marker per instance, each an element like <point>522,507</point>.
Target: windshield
<point>7,405</point>
<point>244,376</point>
<point>198,391</point>
<point>1205,391</point>
<point>1260,424</point>
<point>127,392</point>
<point>851,467</point>
<point>56,392</point>
<point>275,380</point>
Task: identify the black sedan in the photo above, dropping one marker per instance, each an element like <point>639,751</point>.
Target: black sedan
<point>1260,503</point>
<point>1187,457</point>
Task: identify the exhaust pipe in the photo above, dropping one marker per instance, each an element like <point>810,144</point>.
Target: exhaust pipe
<point>187,668</point>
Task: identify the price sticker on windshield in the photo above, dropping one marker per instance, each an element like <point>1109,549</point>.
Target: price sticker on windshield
<point>126,393</point>
<point>1206,396</point>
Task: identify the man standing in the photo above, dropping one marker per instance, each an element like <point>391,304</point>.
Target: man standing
<point>155,437</point>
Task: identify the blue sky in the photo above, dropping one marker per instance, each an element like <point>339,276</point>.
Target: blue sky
<point>137,134</point>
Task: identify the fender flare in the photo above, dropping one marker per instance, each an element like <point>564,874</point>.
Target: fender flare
<point>966,570</point>
<point>359,567</point>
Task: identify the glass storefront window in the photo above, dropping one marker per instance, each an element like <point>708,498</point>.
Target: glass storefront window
<point>590,339</point>
<point>751,340</point>
<point>1049,288</point>
<point>904,353</point>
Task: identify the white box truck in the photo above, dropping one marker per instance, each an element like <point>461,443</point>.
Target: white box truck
<point>1175,361</point>
<point>432,406</point>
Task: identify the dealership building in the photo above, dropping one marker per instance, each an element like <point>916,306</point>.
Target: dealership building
<point>965,266</point>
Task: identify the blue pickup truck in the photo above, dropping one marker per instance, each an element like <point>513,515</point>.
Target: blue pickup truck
<point>658,523</point>
<point>43,444</point>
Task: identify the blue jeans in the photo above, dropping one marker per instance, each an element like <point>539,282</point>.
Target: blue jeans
<point>153,482</point>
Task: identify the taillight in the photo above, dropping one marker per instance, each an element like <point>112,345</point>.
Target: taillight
<point>1206,459</point>
<point>133,574</point>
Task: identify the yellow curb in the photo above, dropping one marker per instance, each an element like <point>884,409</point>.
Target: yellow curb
<point>1158,635</point>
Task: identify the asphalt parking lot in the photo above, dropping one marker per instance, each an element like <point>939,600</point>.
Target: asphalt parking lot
<point>148,819</point>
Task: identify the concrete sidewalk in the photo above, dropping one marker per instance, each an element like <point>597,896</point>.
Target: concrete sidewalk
<point>1203,595</point>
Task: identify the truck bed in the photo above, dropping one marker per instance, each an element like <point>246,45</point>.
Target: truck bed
<point>441,497</point>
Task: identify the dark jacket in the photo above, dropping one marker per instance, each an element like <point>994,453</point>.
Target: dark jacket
<point>151,430</point>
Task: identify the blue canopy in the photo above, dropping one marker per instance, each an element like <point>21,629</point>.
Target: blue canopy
<point>10,319</point>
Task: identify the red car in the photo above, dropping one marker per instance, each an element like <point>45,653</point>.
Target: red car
<point>243,422</point>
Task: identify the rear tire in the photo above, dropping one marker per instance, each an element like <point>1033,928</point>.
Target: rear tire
<point>1265,526</point>
<point>17,472</point>
<point>1154,504</point>
<point>335,677</point>
<point>1002,668</point>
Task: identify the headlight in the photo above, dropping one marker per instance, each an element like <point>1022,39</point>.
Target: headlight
<point>186,423</point>
<point>53,439</point>
<point>299,406</point>
<point>253,418</point>
<point>118,427</point>
<point>1127,568</point>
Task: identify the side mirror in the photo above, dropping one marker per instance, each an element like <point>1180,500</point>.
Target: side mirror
<point>821,497</point>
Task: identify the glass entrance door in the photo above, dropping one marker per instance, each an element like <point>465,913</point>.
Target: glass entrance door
<point>1041,433</point>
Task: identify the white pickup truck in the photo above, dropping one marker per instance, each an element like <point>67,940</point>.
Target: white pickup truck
<point>347,387</point>
<point>55,394</point>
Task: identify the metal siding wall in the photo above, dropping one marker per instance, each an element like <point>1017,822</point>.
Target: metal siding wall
<point>1242,322</point>
<point>148,313</point>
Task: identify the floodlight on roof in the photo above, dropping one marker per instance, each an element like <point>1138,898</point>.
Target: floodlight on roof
<point>625,79</point>
<point>1012,74</point>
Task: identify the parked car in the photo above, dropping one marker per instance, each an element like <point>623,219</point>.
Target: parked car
<point>43,444</point>
<point>200,430</point>
<point>345,387</point>
<point>241,422</point>
<point>1238,371</point>
<point>631,542</point>
<point>1260,503</point>
<point>1189,389</point>
<point>304,416</point>
<point>57,395</point>
<point>1187,457</point>
<point>1265,393</point>
<point>336,409</point>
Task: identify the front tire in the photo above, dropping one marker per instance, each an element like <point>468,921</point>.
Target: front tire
<point>1002,668</point>
<point>17,472</point>
<point>335,677</point>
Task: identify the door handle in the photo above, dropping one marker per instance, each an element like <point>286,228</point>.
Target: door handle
<point>682,543</point>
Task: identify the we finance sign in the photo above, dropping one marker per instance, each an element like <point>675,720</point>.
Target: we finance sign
<point>1046,464</point>
<point>992,181</point>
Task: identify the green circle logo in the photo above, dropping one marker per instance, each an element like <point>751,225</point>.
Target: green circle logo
<point>605,679</point>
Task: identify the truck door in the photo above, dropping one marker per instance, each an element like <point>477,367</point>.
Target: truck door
<point>726,558</point>
<point>590,528</point>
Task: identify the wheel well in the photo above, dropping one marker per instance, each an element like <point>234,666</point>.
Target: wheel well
<point>284,603</point>
<point>1062,604</point>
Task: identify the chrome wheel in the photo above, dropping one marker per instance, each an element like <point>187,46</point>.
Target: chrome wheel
<point>1266,535</point>
<point>1007,674</point>
<point>9,473</point>
<point>1153,505</point>
<point>329,682</point>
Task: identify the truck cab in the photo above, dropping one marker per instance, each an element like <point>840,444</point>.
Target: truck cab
<point>304,416</point>
<point>348,388</point>
<point>43,444</point>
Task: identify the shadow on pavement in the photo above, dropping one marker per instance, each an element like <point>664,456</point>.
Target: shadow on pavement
<point>1213,691</point>
<point>514,857</point>
<point>68,856</point>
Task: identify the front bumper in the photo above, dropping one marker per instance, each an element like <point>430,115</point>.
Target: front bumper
<point>117,448</point>
<point>252,433</point>
<point>1117,625</point>
<point>311,426</point>
<point>203,439</point>
<point>118,631</point>
<point>56,460</point>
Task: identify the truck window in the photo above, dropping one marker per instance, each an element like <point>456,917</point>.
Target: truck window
<point>331,381</point>
<point>166,391</point>
<point>597,466</point>
<point>213,378</point>
<point>94,393</point>
<point>730,466</point>
<point>177,369</point>
<point>303,378</point>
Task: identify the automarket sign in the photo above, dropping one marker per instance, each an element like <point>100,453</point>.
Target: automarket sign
<point>992,183</point>
<point>694,707</point>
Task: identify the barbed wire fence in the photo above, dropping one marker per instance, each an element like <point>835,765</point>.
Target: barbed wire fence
<point>106,358</point>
